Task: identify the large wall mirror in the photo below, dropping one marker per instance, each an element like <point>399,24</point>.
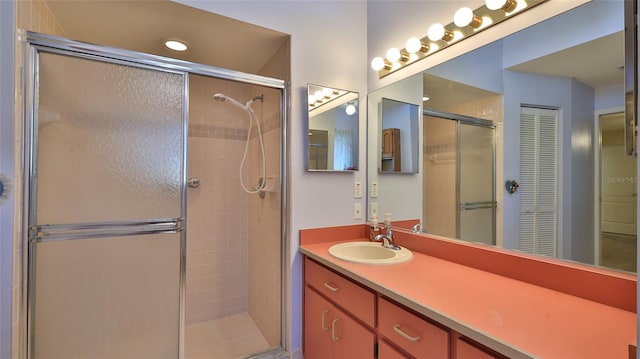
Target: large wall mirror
<point>332,129</point>
<point>519,141</point>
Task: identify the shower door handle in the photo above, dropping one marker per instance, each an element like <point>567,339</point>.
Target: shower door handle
<point>465,206</point>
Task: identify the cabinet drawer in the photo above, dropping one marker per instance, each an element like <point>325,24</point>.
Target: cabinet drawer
<point>412,333</point>
<point>357,300</point>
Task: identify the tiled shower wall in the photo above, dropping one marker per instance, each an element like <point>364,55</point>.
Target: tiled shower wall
<point>217,210</point>
<point>33,15</point>
<point>265,243</point>
<point>233,238</point>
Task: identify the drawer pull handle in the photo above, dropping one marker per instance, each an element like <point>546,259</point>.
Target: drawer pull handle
<point>333,330</point>
<point>330,287</point>
<point>401,332</point>
<point>324,313</point>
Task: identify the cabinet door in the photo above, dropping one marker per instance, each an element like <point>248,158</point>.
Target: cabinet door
<point>386,351</point>
<point>350,339</point>
<point>466,350</point>
<point>387,143</point>
<point>317,326</point>
<point>331,333</point>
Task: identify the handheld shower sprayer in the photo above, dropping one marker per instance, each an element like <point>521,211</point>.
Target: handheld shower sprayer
<point>225,98</point>
<point>252,118</point>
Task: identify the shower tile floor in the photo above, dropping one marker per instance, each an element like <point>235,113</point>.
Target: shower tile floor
<point>232,337</point>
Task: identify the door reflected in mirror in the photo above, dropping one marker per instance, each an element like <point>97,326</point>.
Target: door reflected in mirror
<point>333,131</point>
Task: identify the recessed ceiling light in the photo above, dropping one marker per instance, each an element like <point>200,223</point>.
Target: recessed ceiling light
<point>176,45</point>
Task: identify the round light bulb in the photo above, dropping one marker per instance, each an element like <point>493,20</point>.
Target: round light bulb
<point>495,4</point>
<point>413,45</point>
<point>463,17</point>
<point>312,99</point>
<point>393,54</point>
<point>175,45</point>
<point>377,63</point>
<point>318,94</point>
<point>327,92</point>
<point>350,109</point>
<point>435,32</point>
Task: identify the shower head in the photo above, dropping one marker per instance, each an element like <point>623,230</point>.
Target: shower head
<point>225,98</point>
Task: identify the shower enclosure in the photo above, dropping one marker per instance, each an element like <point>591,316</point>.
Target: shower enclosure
<point>459,166</point>
<point>122,260</point>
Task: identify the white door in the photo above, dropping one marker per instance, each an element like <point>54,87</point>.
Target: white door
<point>618,191</point>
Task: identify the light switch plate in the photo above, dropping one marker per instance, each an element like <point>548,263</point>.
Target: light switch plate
<point>373,207</point>
<point>357,211</point>
<point>374,189</point>
<point>357,189</point>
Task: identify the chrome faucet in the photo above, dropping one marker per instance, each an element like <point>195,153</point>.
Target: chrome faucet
<point>387,239</point>
<point>417,228</point>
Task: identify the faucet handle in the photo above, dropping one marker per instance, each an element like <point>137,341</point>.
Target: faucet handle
<point>417,228</point>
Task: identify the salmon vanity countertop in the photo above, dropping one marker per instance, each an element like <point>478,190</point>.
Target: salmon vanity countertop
<point>513,317</point>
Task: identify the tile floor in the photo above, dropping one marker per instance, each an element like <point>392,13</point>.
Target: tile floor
<point>619,251</point>
<point>228,338</point>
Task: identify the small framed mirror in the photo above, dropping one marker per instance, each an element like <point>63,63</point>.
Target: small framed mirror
<point>400,123</point>
<point>333,129</point>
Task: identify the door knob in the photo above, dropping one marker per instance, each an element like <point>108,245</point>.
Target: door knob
<point>5,188</point>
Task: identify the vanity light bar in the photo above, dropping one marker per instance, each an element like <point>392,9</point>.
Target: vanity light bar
<point>440,37</point>
<point>323,95</point>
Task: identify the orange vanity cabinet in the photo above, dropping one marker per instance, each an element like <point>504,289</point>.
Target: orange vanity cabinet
<point>343,319</point>
<point>339,316</point>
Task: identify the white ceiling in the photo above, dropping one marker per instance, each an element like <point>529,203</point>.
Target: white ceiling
<point>144,25</point>
<point>595,63</point>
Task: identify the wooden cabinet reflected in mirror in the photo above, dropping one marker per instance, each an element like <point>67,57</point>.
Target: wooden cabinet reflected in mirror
<point>391,155</point>
<point>400,123</point>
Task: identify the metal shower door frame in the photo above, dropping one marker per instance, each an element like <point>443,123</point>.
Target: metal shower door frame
<point>471,121</point>
<point>33,233</point>
<point>33,43</point>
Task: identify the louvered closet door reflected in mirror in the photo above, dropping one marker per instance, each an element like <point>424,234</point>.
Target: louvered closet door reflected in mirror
<point>538,181</point>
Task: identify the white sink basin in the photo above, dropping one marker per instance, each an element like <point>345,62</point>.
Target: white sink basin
<point>369,253</point>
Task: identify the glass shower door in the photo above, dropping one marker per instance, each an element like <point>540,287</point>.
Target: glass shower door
<point>106,202</point>
<point>476,205</point>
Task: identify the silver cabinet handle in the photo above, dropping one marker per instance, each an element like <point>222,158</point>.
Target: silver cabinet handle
<point>330,287</point>
<point>333,330</point>
<point>401,332</point>
<point>324,313</point>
